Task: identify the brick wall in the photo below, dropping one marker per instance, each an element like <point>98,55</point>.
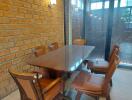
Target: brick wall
<point>25,24</point>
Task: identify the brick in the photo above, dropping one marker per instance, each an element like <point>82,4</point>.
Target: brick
<point>28,16</point>
<point>2,59</point>
<point>30,1</point>
<point>14,49</point>
<point>1,13</point>
<point>9,57</point>
<point>18,3</point>
<point>8,64</point>
<point>27,5</point>
<point>8,14</point>
<point>19,43</point>
<point>4,6</point>
<point>6,1</point>
<point>20,15</point>
<point>4,52</point>
<point>4,20</point>
<point>3,39</point>
<point>19,54</point>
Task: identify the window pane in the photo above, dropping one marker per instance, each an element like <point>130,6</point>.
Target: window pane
<point>97,5</point>
<point>123,3</point>
<point>116,4</point>
<point>93,6</point>
<point>73,2</point>
<point>79,4</point>
<point>129,3</point>
<point>106,4</point>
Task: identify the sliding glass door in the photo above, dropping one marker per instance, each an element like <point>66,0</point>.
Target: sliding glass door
<point>108,23</point>
<point>96,20</point>
<point>102,23</point>
<point>122,30</point>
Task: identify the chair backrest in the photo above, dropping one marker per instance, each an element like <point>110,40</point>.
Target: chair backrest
<point>39,50</point>
<point>53,46</point>
<point>28,85</point>
<point>79,42</point>
<point>111,70</point>
<point>116,50</point>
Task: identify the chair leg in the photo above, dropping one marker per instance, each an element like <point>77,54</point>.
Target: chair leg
<point>78,96</point>
<point>97,98</point>
<point>111,83</point>
<point>108,97</point>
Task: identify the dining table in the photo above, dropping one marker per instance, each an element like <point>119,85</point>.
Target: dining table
<point>65,59</point>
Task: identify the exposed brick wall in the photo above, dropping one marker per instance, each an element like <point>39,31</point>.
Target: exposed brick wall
<point>25,24</point>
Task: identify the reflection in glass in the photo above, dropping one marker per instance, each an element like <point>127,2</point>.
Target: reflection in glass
<point>123,3</point>
<point>97,5</point>
<point>73,2</point>
<point>79,4</point>
<point>76,65</point>
<point>106,4</point>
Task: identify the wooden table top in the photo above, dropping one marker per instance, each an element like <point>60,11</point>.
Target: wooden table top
<point>66,59</point>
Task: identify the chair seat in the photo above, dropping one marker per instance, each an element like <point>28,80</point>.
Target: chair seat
<point>44,82</point>
<point>55,86</point>
<point>98,65</point>
<point>89,82</point>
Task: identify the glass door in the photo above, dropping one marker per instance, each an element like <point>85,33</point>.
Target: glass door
<point>122,30</point>
<point>96,20</point>
<point>102,23</point>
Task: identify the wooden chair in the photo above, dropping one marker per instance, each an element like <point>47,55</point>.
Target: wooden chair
<point>95,85</point>
<point>39,51</point>
<point>101,67</point>
<point>53,46</point>
<point>79,42</point>
<point>32,87</point>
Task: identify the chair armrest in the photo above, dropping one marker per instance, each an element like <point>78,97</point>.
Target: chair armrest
<point>32,76</point>
<point>23,75</point>
<point>52,85</point>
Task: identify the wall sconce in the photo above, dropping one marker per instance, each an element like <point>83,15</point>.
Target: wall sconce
<point>52,2</point>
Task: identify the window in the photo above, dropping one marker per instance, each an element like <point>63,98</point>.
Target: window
<point>73,2</point>
<point>125,3</point>
<point>106,4</point>
<point>77,3</point>
<point>115,3</point>
<point>99,5</point>
<point>96,5</point>
<point>127,18</point>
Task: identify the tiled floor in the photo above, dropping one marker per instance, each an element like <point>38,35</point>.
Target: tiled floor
<point>121,90</point>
